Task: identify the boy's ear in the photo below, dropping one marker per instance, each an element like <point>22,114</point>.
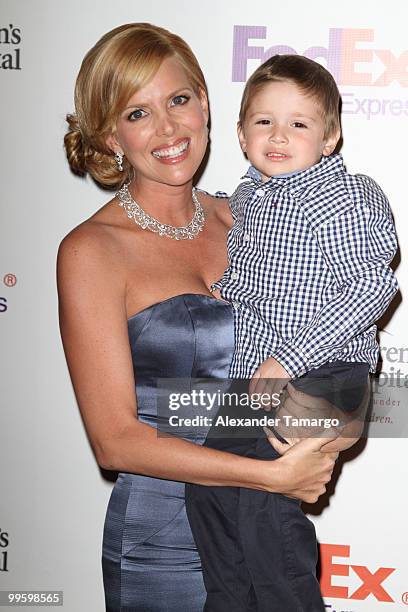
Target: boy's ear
<point>241,137</point>
<point>331,143</point>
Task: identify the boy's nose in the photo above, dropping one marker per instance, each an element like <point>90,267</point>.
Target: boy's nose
<point>278,134</point>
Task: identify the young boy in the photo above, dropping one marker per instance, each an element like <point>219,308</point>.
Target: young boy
<point>308,276</point>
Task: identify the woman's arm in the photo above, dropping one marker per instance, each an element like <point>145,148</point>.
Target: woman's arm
<point>93,321</point>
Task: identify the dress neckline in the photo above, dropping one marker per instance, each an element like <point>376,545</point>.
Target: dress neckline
<point>175,297</point>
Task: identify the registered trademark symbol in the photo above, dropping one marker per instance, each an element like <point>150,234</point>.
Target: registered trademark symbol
<point>10,280</point>
<point>404,598</point>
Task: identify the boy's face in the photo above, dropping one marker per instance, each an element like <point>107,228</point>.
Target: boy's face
<point>283,130</point>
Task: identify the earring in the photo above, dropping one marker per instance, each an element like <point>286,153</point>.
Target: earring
<point>119,159</point>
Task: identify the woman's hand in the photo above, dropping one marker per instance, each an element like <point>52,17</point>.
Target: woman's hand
<point>304,468</point>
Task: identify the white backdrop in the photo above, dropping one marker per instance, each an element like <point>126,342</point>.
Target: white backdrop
<point>53,496</point>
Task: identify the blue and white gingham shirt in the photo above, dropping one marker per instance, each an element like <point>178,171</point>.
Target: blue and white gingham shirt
<point>308,271</point>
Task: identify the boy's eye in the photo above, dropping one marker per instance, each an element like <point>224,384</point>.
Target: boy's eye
<point>179,100</point>
<point>299,124</point>
<point>263,122</point>
<point>138,113</point>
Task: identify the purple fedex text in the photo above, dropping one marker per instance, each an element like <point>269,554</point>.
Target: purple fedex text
<point>340,56</point>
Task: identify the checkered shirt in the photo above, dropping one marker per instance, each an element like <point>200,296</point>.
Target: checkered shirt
<point>308,271</point>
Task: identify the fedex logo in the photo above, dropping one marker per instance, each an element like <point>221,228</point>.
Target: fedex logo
<point>371,581</point>
<point>345,59</point>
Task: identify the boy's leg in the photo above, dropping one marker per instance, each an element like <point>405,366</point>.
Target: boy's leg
<point>258,550</point>
<point>278,540</point>
<point>241,572</point>
<point>341,383</point>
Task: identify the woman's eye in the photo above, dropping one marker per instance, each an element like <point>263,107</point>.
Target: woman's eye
<point>179,100</point>
<point>138,113</point>
<point>299,124</point>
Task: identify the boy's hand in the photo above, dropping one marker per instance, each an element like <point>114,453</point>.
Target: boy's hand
<point>269,378</point>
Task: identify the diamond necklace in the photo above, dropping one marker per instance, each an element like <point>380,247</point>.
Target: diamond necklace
<point>140,217</point>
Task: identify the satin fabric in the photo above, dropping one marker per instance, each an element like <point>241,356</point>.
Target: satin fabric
<point>149,558</point>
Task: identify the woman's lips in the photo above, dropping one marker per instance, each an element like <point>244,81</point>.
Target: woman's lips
<point>172,154</point>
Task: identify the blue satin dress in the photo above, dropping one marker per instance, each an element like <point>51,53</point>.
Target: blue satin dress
<point>150,561</point>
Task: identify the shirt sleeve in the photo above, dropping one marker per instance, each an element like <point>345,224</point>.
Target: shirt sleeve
<point>219,284</point>
<point>358,245</point>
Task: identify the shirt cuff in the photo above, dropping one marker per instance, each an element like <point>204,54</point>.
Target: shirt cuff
<point>292,359</point>
<point>218,285</point>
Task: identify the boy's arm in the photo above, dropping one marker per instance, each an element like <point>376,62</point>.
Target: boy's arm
<point>358,246</point>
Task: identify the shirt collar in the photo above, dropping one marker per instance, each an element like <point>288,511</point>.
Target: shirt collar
<point>327,167</point>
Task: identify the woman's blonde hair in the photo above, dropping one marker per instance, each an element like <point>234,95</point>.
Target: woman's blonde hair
<point>121,62</point>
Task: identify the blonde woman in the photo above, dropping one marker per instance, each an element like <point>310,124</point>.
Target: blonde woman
<point>135,306</point>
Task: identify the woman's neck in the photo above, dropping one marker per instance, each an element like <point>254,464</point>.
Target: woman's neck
<point>170,204</point>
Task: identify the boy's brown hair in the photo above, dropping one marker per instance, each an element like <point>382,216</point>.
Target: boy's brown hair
<point>308,75</point>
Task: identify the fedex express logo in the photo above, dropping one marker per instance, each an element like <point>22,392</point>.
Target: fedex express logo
<point>350,55</point>
<point>372,581</point>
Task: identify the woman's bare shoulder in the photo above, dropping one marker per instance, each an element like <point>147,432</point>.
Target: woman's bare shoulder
<point>217,205</point>
<point>96,236</point>
<point>91,248</point>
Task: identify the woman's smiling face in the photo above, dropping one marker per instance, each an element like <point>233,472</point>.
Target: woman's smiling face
<point>163,129</point>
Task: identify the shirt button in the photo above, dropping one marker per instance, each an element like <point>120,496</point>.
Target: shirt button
<point>260,192</point>
<point>247,237</point>
<point>234,276</point>
<point>236,305</point>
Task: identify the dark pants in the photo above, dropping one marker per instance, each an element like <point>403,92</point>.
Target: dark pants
<point>258,550</point>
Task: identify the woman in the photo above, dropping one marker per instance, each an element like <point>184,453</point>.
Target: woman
<point>144,311</point>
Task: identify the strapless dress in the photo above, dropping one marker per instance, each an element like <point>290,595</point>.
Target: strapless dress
<point>149,559</point>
